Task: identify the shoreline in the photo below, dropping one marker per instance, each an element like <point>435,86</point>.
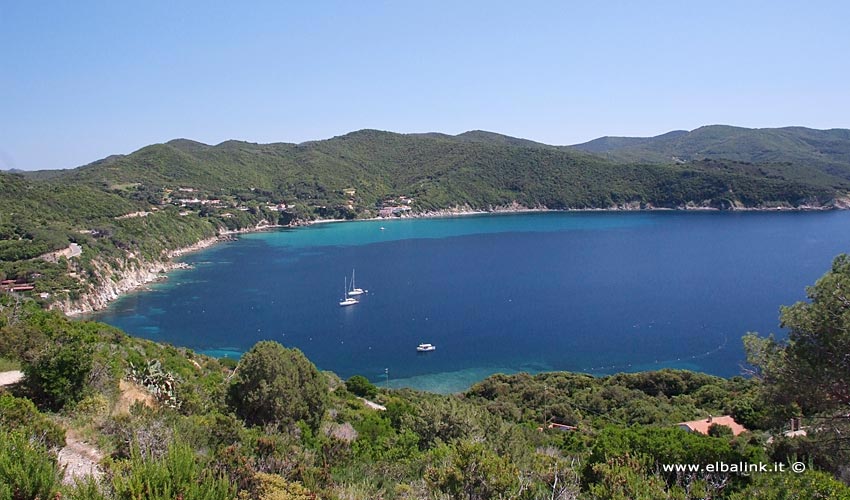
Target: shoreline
<point>134,278</point>
<point>145,273</point>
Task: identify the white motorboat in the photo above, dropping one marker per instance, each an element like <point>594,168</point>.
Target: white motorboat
<point>425,347</point>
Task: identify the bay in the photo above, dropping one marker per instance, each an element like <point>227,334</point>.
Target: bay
<point>596,292</point>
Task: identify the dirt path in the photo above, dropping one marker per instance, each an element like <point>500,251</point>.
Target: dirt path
<point>12,377</point>
<point>79,458</point>
<point>82,459</point>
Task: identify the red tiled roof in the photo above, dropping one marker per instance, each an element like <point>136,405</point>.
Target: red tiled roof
<point>702,426</point>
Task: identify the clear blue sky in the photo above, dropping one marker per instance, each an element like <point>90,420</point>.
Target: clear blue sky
<point>82,80</point>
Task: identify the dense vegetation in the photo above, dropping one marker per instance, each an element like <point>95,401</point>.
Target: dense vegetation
<point>174,424</point>
<point>437,171</point>
<point>821,155</point>
<point>273,427</point>
<point>128,211</point>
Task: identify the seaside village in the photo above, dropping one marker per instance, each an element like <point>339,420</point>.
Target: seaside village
<point>193,200</point>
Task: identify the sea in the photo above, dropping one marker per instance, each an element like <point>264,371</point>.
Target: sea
<point>593,292</point>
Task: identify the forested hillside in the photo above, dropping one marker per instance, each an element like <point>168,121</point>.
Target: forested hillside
<point>823,151</point>
<point>126,213</point>
<point>174,424</point>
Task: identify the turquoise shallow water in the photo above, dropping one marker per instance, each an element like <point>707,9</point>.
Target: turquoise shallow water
<point>593,292</point>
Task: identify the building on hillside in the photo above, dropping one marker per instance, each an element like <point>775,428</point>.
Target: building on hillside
<point>703,425</point>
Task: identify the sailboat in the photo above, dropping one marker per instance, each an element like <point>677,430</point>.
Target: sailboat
<point>347,301</point>
<point>355,291</point>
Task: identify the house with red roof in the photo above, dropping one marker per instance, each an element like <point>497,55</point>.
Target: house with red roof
<point>703,425</point>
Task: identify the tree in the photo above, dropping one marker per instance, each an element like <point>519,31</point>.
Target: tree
<point>278,386</point>
<point>360,386</point>
<point>59,375</point>
<point>812,367</point>
<point>720,431</point>
<point>809,372</point>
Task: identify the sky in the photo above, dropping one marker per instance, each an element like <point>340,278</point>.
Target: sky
<point>83,80</point>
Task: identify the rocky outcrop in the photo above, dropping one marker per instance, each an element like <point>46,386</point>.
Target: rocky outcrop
<point>115,279</point>
<point>131,273</point>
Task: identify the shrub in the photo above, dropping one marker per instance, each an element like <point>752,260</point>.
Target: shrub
<point>58,376</point>
<point>21,414</point>
<point>278,386</point>
<point>273,487</point>
<point>720,431</point>
<point>27,469</point>
<point>360,386</point>
<point>179,474</point>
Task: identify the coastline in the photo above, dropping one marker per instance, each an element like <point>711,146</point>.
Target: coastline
<point>136,274</point>
<point>132,276</point>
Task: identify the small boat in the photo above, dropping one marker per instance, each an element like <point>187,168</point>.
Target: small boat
<point>425,347</point>
<point>347,301</point>
<point>382,228</point>
<point>355,291</point>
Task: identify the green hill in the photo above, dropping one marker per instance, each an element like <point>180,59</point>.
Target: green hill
<point>478,169</point>
<point>163,197</point>
<point>826,151</point>
<point>212,427</point>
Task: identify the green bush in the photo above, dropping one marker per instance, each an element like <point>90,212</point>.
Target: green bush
<point>276,488</point>
<point>179,474</point>
<point>21,414</point>
<point>470,471</point>
<point>27,469</point>
<point>87,488</point>
<point>788,486</point>
<point>360,386</point>
<point>58,376</point>
<point>278,386</point>
<point>720,431</point>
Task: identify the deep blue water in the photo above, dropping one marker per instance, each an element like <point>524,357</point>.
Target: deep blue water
<point>593,292</point>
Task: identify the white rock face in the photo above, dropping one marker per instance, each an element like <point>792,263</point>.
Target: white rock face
<point>127,276</point>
